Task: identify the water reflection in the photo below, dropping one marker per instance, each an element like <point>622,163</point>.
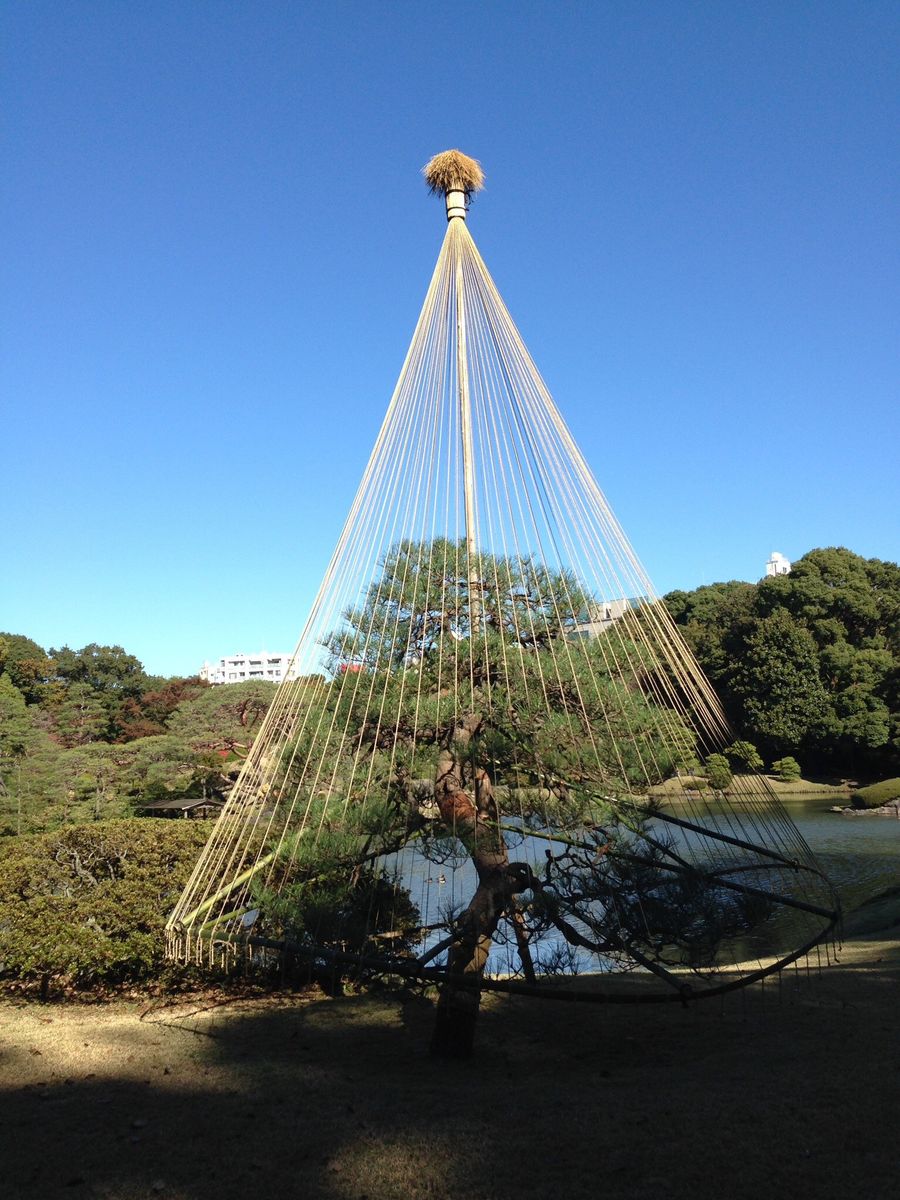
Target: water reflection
<point>859,855</point>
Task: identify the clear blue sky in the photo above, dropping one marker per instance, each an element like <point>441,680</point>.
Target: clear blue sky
<point>216,243</point>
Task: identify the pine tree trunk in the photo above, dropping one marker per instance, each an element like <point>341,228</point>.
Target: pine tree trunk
<point>476,823</point>
<point>458,1005</point>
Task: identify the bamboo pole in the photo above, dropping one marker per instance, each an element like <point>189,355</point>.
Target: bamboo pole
<point>227,889</point>
<point>468,453</point>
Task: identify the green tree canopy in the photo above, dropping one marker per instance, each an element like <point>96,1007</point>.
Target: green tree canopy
<point>79,716</point>
<point>787,769</point>
<point>776,684</point>
<point>17,736</point>
<point>107,674</point>
<point>16,729</point>
<point>223,719</point>
<point>744,756</point>
<point>25,664</point>
<point>718,772</point>
<point>105,669</point>
<point>807,662</point>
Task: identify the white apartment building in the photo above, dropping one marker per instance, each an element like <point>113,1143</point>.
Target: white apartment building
<point>778,565</point>
<point>238,667</point>
<point>600,617</point>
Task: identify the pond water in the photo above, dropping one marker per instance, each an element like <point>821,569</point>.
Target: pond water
<point>859,855</point>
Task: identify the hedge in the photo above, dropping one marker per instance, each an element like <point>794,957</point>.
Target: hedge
<point>86,905</point>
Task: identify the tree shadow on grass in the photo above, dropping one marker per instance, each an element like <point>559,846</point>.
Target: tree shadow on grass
<point>775,1093</point>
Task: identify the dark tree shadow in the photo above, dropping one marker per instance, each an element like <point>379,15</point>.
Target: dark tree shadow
<point>782,1092</point>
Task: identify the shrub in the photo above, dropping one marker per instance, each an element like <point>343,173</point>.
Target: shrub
<point>718,772</point>
<point>86,904</point>
<point>744,756</point>
<point>786,769</point>
<point>877,794</point>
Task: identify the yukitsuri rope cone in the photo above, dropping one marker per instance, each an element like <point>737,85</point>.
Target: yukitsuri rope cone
<point>483,777</point>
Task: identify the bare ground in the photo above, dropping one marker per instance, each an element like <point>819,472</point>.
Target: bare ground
<point>792,1091</point>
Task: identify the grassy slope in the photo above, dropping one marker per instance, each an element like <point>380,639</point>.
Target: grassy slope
<point>796,787</point>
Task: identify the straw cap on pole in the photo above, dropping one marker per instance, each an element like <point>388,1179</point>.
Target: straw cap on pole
<point>455,176</point>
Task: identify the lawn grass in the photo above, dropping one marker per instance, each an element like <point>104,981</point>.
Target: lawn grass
<point>786,1091</point>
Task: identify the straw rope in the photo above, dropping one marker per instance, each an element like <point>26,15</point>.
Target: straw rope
<point>455,638</point>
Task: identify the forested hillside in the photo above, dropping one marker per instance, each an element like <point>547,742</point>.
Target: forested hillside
<point>807,664</point>
<point>87,734</point>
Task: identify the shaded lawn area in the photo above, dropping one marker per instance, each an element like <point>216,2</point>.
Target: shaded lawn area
<point>792,1093</point>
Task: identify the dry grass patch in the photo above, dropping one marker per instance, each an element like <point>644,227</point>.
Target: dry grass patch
<point>773,1093</point>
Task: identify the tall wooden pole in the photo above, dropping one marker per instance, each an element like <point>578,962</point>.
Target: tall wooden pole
<point>456,210</point>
